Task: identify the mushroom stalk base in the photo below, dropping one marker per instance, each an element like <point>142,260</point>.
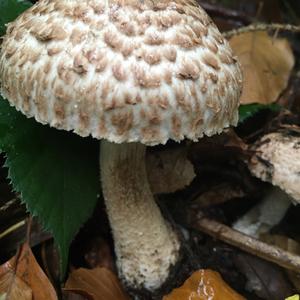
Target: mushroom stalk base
<point>145,244</point>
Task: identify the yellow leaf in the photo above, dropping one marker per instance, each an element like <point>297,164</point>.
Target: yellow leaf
<point>266,63</point>
<point>204,285</point>
<point>100,283</point>
<point>295,297</point>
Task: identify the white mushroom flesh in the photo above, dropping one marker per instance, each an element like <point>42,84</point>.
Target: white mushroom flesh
<point>145,244</point>
<point>277,160</point>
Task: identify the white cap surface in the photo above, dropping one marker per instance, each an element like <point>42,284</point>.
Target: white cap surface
<point>277,160</point>
<point>123,70</point>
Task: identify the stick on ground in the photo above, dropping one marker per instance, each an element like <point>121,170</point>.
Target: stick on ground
<point>251,245</point>
<point>261,27</point>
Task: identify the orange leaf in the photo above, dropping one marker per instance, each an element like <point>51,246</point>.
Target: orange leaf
<point>100,283</point>
<point>204,285</point>
<point>266,64</point>
<point>13,286</point>
<point>22,278</point>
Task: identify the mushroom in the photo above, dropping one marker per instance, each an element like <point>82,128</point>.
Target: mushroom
<point>275,159</point>
<point>131,73</point>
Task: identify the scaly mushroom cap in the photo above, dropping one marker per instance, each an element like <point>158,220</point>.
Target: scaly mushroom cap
<point>123,70</point>
<point>277,160</point>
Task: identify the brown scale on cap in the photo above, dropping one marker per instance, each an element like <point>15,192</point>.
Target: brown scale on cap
<point>54,50</point>
<point>80,64</point>
<point>183,41</point>
<point>170,53</point>
<point>119,72</point>
<point>182,52</point>
<point>189,70</point>
<point>168,76</point>
<point>144,79</point>
<point>154,117</point>
<point>113,40</point>
<point>154,39</point>
<point>151,57</point>
<point>98,8</point>
<point>176,125</point>
<point>77,36</point>
<point>122,121</point>
<point>211,61</point>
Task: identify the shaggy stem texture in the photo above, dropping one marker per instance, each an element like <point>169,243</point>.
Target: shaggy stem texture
<point>145,244</point>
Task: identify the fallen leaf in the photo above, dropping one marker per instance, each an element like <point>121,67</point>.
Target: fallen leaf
<point>204,285</point>
<point>218,194</point>
<point>22,278</point>
<point>12,286</point>
<point>77,294</point>
<point>100,283</point>
<point>266,63</point>
<point>295,297</point>
<point>264,279</point>
<point>283,242</point>
<point>287,244</point>
<point>99,254</point>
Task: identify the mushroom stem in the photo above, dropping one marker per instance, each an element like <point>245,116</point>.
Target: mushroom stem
<point>145,244</point>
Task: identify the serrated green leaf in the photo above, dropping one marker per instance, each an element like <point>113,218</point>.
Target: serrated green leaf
<point>9,10</point>
<point>249,110</point>
<point>55,172</point>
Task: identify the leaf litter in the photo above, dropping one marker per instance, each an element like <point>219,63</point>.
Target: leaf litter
<point>267,62</point>
<point>22,278</point>
<point>99,283</point>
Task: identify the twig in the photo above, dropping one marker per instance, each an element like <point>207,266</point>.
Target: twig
<point>12,228</point>
<point>251,245</point>
<point>261,27</point>
<point>28,229</point>
<point>224,12</point>
<point>8,204</point>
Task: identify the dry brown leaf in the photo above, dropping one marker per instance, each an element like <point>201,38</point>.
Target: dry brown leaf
<point>218,194</point>
<point>76,294</point>
<point>22,278</point>
<point>266,64</point>
<point>100,283</point>
<point>13,286</point>
<point>282,242</point>
<point>290,245</point>
<point>264,279</point>
<point>204,285</point>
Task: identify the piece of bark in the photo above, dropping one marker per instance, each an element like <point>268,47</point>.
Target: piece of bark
<point>169,170</point>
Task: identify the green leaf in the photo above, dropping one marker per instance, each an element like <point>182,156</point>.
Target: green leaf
<point>248,110</point>
<point>9,10</point>
<point>56,173</point>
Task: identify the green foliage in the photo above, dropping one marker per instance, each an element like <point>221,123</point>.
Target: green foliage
<point>55,172</point>
<point>249,110</point>
<point>9,10</point>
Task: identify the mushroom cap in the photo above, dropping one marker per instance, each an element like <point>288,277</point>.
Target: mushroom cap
<point>277,160</point>
<point>123,70</point>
